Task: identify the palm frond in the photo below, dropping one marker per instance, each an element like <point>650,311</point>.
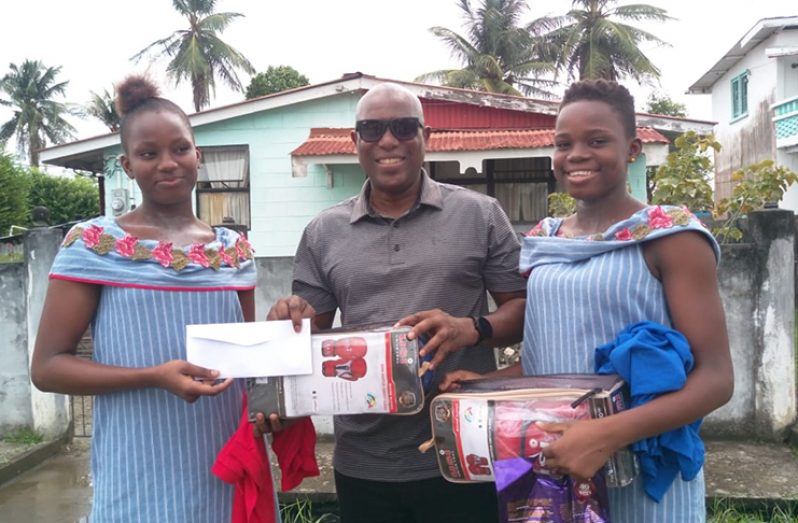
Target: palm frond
<point>459,46</point>
<point>217,22</point>
<point>495,50</point>
<point>197,54</point>
<point>642,12</point>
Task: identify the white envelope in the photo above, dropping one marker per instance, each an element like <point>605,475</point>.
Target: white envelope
<point>244,350</point>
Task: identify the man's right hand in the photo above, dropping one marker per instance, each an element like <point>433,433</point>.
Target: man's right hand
<point>291,308</point>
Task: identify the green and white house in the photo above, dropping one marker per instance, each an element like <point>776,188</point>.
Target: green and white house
<point>754,89</point>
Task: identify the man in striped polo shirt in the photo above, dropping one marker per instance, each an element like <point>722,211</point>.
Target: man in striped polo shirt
<point>405,244</point>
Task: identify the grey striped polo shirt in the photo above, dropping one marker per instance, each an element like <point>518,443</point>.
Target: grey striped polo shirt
<point>446,252</point>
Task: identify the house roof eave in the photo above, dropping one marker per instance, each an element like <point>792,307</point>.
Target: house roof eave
<point>760,32</point>
<point>349,83</point>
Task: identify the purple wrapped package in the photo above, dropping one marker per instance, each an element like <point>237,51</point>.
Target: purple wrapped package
<point>530,496</point>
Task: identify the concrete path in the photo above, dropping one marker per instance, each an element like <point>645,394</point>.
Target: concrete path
<point>59,490</point>
<point>751,472</point>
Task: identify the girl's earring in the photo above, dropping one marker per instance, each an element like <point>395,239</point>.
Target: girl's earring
<point>632,159</point>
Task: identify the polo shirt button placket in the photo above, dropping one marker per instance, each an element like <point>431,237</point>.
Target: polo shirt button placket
<point>396,247</point>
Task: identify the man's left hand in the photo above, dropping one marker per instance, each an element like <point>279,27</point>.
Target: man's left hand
<point>272,423</point>
<point>447,333</point>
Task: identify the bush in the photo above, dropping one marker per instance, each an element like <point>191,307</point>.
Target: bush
<point>15,184</point>
<point>68,199</point>
<point>684,177</point>
<point>756,186</point>
<point>561,204</point>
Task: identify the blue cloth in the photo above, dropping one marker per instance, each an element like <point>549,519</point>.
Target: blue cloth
<point>654,359</point>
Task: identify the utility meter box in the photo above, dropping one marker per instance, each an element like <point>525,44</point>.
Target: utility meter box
<point>120,201</point>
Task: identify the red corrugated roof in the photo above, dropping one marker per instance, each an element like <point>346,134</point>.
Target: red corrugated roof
<point>325,141</point>
<point>444,114</point>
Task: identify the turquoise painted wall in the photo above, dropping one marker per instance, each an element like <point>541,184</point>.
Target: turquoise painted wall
<point>637,178</point>
<point>281,205</point>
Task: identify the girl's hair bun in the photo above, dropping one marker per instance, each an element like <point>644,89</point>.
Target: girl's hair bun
<point>134,91</point>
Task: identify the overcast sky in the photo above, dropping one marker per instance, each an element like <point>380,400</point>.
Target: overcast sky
<point>93,40</point>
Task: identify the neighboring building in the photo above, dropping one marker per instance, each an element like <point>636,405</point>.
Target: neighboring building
<point>754,90</point>
<point>272,163</point>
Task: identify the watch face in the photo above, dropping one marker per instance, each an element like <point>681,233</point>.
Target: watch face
<point>484,328</point>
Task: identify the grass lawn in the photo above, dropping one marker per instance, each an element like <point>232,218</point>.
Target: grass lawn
<point>724,511</point>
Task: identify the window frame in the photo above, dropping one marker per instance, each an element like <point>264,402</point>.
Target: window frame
<point>489,179</point>
<point>200,190</point>
<point>739,95</point>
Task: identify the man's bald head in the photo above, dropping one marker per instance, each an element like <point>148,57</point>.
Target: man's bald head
<point>392,94</point>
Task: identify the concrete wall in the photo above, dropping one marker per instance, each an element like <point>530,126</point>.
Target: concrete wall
<point>757,283</point>
<point>22,289</point>
<point>15,406</point>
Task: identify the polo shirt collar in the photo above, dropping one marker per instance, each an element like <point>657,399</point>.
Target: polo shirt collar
<point>430,196</point>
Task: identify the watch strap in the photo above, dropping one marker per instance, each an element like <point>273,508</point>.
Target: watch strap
<point>483,327</point>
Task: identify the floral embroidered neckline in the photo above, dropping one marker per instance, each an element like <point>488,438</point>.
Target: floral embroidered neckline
<point>656,217</point>
<point>96,239</point>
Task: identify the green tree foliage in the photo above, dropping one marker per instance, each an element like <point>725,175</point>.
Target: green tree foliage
<point>663,104</point>
<point>274,80</point>
<point>68,199</point>
<point>15,184</point>
<point>593,40</point>
<point>684,177</point>
<point>102,107</point>
<point>198,54</point>
<point>498,54</point>
<point>756,186</point>
<point>30,90</point>
<point>561,204</point>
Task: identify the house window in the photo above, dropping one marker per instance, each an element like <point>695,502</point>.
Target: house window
<point>223,185</point>
<point>521,185</point>
<point>739,92</point>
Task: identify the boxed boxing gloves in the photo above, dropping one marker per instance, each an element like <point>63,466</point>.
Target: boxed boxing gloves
<point>492,420</point>
<point>359,370</point>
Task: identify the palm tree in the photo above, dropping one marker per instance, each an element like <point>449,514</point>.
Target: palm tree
<point>102,107</point>
<point>498,54</point>
<point>37,118</point>
<point>592,42</point>
<point>198,54</point>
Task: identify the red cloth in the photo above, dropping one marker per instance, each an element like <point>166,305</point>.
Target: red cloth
<point>295,448</point>
<point>243,461</point>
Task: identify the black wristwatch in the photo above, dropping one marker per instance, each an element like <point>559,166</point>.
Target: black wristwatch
<point>483,327</point>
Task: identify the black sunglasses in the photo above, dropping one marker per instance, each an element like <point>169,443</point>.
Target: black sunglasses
<point>402,129</point>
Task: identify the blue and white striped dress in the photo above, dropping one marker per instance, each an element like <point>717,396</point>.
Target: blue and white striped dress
<point>580,294</point>
<point>152,451</point>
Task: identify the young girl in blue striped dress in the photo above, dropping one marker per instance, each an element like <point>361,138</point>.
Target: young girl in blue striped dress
<point>138,280</point>
<point>613,263</point>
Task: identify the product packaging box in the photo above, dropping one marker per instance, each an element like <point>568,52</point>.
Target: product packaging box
<point>358,370</point>
<point>488,420</point>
